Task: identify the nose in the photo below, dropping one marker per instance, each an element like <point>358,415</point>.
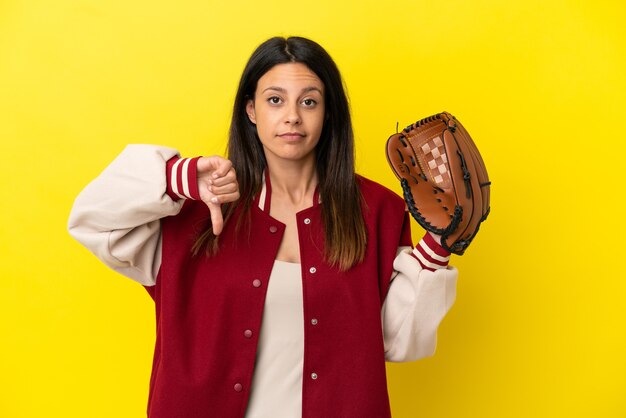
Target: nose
<point>293,115</point>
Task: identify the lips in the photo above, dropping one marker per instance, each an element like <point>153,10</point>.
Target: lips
<point>291,135</point>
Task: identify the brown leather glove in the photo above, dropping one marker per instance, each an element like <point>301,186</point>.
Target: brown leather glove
<point>443,177</point>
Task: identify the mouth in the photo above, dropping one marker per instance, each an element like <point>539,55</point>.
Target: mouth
<point>292,135</point>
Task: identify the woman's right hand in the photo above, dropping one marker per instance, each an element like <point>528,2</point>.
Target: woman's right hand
<point>217,184</point>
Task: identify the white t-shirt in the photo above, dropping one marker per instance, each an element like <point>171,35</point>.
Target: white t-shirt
<point>276,390</point>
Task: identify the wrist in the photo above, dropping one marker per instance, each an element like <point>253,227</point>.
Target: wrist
<point>182,178</point>
<point>430,254</point>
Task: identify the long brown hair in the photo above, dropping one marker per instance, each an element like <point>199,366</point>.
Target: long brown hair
<point>344,225</point>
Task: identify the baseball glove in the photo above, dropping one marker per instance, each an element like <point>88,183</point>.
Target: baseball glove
<point>443,177</point>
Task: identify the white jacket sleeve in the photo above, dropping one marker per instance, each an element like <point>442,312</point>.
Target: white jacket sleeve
<point>417,301</point>
<point>117,216</point>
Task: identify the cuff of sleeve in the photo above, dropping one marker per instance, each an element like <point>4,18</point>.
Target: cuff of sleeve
<point>430,254</point>
<point>182,178</point>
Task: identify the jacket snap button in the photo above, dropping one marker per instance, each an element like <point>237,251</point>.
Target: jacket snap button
<point>256,283</point>
<point>307,221</point>
<point>313,376</point>
<point>312,270</point>
<point>238,387</point>
<point>314,321</point>
<point>247,333</point>
<point>273,229</point>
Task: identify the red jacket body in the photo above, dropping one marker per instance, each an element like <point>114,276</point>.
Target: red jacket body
<point>209,312</point>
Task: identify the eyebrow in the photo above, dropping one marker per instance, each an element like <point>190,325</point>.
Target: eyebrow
<point>304,90</point>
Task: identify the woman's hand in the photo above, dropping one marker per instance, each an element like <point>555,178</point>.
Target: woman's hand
<point>217,184</point>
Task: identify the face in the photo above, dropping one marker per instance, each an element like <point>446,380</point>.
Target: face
<point>288,110</point>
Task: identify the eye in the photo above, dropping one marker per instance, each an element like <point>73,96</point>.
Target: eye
<point>309,102</point>
<point>274,100</point>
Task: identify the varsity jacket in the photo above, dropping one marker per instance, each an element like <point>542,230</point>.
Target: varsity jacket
<point>209,309</point>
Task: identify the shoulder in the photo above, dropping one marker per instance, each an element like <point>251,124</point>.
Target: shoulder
<point>377,195</point>
<point>373,189</point>
<point>386,216</point>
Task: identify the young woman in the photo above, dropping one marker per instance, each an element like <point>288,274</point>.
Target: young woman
<point>282,280</point>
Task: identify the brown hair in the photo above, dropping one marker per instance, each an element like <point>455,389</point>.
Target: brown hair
<point>344,225</point>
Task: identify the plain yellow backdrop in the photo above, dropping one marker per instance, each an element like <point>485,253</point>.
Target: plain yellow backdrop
<point>538,329</point>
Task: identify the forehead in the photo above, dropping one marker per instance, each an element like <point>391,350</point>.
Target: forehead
<point>291,76</point>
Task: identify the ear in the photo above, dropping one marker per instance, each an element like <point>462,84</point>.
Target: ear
<point>250,111</point>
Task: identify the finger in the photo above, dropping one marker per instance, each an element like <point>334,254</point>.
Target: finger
<point>222,167</point>
<point>226,198</point>
<point>229,177</point>
<point>216,217</point>
<point>215,164</point>
<point>206,163</point>
<point>227,188</point>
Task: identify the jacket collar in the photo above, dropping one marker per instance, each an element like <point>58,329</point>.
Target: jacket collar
<point>264,198</point>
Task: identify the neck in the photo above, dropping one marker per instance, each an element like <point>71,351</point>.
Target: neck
<point>293,180</point>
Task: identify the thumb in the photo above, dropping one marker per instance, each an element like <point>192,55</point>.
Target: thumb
<point>217,221</point>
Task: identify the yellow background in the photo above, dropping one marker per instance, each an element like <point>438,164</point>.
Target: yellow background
<point>538,327</point>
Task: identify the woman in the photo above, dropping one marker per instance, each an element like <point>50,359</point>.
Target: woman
<point>280,316</point>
